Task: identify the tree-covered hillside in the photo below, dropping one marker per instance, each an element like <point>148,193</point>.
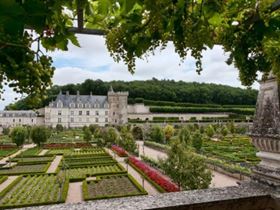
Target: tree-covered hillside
<point>156,90</point>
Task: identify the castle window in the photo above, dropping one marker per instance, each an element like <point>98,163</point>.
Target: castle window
<point>72,105</point>
<point>80,119</point>
<point>72,112</point>
<point>80,105</point>
<point>114,113</point>
<point>87,112</point>
<point>59,112</point>
<point>106,112</point>
<point>106,119</point>
<point>72,119</point>
<point>80,112</point>
<point>14,120</point>
<point>59,120</point>
<point>96,119</point>
<point>19,120</point>
<point>59,104</point>
<point>96,113</point>
<point>31,120</point>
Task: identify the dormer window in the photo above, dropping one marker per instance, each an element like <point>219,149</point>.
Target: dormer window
<point>106,105</point>
<point>72,105</point>
<point>80,105</point>
<point>87,105</point>
<point>59,104</point>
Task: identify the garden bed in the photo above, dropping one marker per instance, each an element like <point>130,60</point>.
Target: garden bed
<point>66,145</point>
<point>25,169</point>
<point>30,152</point>
<point>105,187</point>
<point>7,152</point>
<point>32,160</point>
<point>34,190</point>
<point>79,174</point>
<point>88,160</point>
<point>119,151</point>
<point>3,179</point>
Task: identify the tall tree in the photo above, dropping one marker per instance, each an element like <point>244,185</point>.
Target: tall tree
<point>19,135</point>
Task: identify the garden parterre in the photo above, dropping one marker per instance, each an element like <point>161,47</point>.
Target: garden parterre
<point>25,169</point>
<point>33,190</point>
<point>111,187</point>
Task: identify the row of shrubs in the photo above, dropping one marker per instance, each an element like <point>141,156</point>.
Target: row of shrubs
<point>170,103</point>
<point>170,109</point>
<point>66,145</point>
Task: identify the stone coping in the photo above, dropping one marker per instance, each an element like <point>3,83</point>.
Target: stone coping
<point>249,192</point>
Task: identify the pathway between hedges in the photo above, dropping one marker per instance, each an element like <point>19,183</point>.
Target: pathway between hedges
<point>7,182</point>
<point>151,190</point>
<point>74,193</point>
<point>54,164</point>
<point>43,152</point>
<point>218,179</point>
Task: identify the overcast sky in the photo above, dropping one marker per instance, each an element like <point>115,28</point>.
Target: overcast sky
<point>93,61</point>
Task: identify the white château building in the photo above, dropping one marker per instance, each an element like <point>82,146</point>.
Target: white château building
<point>73,111</point>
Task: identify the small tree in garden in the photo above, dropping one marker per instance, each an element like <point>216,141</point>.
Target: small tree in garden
<point>127,141</point>
<point>110,136</point>
<point>137,133</point>
<point>84,128</point>
<point>231,128</point>
<point>186,168</point>
<point>18,135</point>
<point>157,134</point>
<point>6,131</point>
<point>59,128</point>
<point>184,135</point>
<point>92,128</point>
<point>39,135</point>
<point>197,141</point>
<point>210,131</point>
<point>168,132</point>
<point>224,131</point>
<point>87,135</point>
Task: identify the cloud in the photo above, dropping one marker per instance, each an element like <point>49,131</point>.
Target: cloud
<point>93,61</point>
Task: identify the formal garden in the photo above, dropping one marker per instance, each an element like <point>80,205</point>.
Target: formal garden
<point>98,158</point>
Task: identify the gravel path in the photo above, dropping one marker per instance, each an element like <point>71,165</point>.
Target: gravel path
<point>7,182</point>
<point>151,190</point>
<point>54,164</point>
<point>6,159</point>
<point>218,179</point>
<point>43,152</point>
<point>74,193</point>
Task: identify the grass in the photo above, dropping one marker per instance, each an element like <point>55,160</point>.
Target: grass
<point>7,152</point>
<point>111,187</point>
<point>33,190</point>
<point>30,152</point>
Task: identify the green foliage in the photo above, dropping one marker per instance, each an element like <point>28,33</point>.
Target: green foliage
<point>110,136</point>
<point>59,128</point>
<point>137,133</point>
<point>231,127</point>
<point>6,131</point>
<point>156,134</point>
<point>87,134</point>
<point>127,141</point>
<point>182,163</point>
<point>92,128</point>
<point>210,131</point>
<point>175,94</point>
<point>168,132</point>
<point>197,141</point>
<point>39,135</point>
<point>224,131</point>
<point>184,135</point>
<point>18,135</point>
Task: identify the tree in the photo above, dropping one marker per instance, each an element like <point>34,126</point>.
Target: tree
<point>59,128</point>
<point>110,136</point>
<point>127,141</point>
<point>168,132</point>
<point>231,127</point>
<point>224,131</point>
<point>92,128</point>
<point>197,140</point>
<point>87,135</point>
<point>39,135</point>
<point>186,168</point>
<point>248,31</point>
<point>156,134</point>
<point>210,131</point>
<point>184,135</point>
<point>137,133</point>
<point>18,135</point>
<point>6,131</point>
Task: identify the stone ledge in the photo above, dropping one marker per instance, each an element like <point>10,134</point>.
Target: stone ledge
<point>250,195</point>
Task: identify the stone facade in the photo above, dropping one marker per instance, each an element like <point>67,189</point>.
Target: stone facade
<point>73,111</point>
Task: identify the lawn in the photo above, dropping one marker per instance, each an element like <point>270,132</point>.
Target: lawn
<point>111,187</point>
<point>33,190</point>
<point>7,152</point>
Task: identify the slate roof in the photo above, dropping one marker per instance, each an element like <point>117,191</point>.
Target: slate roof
<point>90,100</point>
<point>18,113</point>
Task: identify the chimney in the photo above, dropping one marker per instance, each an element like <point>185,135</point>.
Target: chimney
<point>78,93</point>
<point>67,93</point>
<point>90,93</point>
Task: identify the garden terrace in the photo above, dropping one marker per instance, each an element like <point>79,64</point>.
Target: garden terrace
<point>80,173</point>
<point>111,187</point>
<point>74,152</point>
<point>88,160</point>
<point>25,169</point>
<point>33,190</point>
<point>30,152</point>
<point>33,160</point>
<point>66,145</point>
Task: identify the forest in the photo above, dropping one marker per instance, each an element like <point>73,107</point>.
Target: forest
<point>155,90</point>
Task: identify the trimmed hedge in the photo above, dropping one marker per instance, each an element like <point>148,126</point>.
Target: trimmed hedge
<point>169,109</point>
<point>3,179</point>
<point>157,146</point>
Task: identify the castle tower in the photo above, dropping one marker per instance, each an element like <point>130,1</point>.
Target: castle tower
<point>118,106</point>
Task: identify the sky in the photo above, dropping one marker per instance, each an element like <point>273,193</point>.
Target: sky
<point>92,61</point>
